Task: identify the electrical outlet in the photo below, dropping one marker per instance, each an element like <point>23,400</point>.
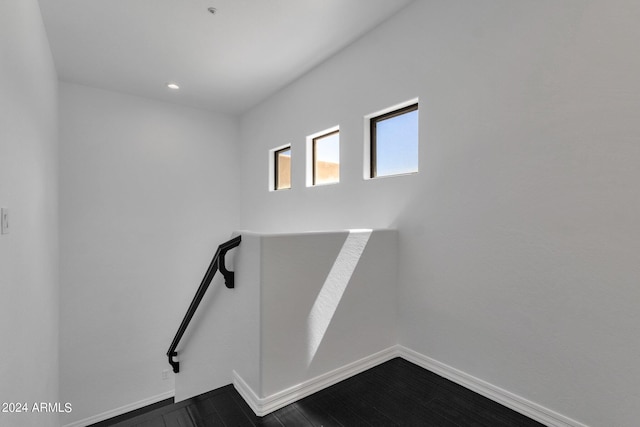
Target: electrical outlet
<point>165,374</point>
<point>4,220</point>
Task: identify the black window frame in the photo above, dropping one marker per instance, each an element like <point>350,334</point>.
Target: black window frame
<point>314,153</point>
<point>276,168</point>
<point>373,122</point>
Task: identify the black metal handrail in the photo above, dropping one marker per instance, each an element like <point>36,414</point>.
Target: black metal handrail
<point>217,263</point>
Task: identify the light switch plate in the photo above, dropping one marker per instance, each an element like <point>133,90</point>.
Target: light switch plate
<point>4,220</point>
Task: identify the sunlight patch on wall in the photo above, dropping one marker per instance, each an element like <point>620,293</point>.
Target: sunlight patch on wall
<point>333,288</point>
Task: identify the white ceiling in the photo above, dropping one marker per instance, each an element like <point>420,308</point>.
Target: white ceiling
<point>225,62</point>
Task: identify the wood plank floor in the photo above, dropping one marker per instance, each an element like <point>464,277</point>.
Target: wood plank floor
<point>396,393</point>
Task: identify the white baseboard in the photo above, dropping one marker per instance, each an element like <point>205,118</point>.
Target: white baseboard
<point>122,410</point>
<point>265,405</point>
<point>519,404</point>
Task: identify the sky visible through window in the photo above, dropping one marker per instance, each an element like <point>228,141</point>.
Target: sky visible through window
<point>328,148</point>
<point>284,153</point>
<point>397,145</point>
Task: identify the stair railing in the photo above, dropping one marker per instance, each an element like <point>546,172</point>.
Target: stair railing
<point>217,263</point>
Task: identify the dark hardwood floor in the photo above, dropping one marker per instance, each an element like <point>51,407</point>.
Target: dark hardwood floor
<point>396,393</point>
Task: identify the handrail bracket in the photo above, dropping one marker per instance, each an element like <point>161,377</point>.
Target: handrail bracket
<point>229,276</point>
<point>174,363</point>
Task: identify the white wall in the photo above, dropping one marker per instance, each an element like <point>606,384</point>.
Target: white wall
<point>519,244</point>
<point>316,308</point>
<point>147,192</point>
<point>29,188</point>
<point>327,300</point>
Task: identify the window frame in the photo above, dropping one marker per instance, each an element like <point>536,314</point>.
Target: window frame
<point>373,122</point>
<point>314,153</point>
<point>310,156</point>
<point>273,167</point>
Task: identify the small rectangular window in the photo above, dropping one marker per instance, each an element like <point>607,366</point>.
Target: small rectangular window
<point>282,168</point>
<point>394,142</point>
<point>326,158</point>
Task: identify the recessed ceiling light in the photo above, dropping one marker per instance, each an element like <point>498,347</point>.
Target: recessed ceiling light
<point>212,10</point>
<point>173,86</point>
